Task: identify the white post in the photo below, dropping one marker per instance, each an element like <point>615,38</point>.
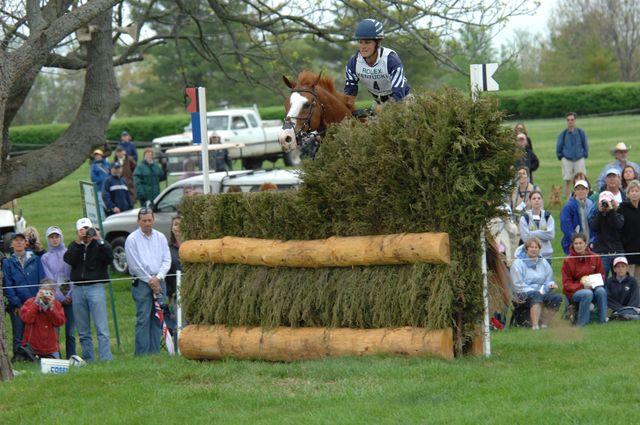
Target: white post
<point>486,330</point>
<point>204,137</point>
<point>178,307</point>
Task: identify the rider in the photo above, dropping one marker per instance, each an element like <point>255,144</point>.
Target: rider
<point>379,68</point>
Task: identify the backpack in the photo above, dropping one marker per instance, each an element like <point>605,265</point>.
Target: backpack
<point>626,313</point>
<point>547,214</point>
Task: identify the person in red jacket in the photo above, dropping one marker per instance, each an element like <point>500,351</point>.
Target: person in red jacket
<point>579,289</point>
<point>41,315</point>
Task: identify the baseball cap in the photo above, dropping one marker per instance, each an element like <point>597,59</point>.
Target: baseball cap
<point>124,133</point>
<point>116,165</point>
<point>581,183</point>
<point>620,260</point>
<point>98,152</point>
<point>82,223</point>
<point>19,235</point>
<point>613,171</point>
<point>53,230</point>
<point>606,196</point>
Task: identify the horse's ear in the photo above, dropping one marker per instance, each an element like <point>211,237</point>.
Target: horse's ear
<point>289,83</point>
<point>317,80</point>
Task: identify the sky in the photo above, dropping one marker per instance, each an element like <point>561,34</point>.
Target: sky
<point>536,23</point>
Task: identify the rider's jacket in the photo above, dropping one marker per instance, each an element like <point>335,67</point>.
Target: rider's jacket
<point>384,80</point>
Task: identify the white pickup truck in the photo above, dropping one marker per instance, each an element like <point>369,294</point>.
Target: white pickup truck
<point>239,126</point>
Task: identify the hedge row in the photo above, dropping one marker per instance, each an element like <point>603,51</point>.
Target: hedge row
<point>521,104</point>
<point>555,102</point>
<point>441,163</point>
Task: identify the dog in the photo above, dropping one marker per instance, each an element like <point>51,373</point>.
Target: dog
<point>555,199</point>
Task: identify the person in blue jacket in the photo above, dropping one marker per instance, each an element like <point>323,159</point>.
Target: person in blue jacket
<point>115,192</point>
<point>100,168</point>
<point>572,149</point>
<point>22,273</point>
<point>574,217</point>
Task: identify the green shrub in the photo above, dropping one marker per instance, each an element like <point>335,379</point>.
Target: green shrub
<point>440,163</point>
<point>555,102</point>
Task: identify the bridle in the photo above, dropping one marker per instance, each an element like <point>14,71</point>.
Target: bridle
<point>308,140</point>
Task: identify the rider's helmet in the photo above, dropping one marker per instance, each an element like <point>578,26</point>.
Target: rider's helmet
<point>369,29</point>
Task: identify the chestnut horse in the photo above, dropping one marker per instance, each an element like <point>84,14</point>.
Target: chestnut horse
<point>313,105</point>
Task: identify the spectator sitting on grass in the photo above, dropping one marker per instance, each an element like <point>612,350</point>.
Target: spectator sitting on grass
<point>622,289</point>
<point>41,315</point>
<point>533,283</point>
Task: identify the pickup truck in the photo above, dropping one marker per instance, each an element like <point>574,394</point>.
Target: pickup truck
<point>239,126</point>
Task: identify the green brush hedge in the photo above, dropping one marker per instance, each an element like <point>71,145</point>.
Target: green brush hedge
<point>440,163</point>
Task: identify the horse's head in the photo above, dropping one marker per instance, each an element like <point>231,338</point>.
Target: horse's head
<point>304,112</point>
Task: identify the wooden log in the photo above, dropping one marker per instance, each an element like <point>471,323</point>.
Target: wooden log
<point>214,342</point>
<point>401,248</point>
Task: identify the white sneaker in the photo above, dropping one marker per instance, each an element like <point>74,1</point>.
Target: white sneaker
<point>535,327</point>
<point>544,326</point>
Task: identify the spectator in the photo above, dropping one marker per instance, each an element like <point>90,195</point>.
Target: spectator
<point>631,228</point>
<point>188,190</point>
<point>33,241</point>
<point>149,260</point>
<point>533,283</point>
<point>620,152</point>
<point>238,123</point>
<point>622,289</point>
<point>582,176</point>
<point>581,263</point>
<point>234,189</point>
<point>115,192</point>
<point>607,222</point>
<point>60,272</point>
<point>99,168</point>
<point>574,217</point>
<point>22,273</point>
<point>520,196</point>
<point>504,231</point>
<point>520,128</point>
<point>174,247</point>
<point>89,257</point>
<point>128,166</point>
<point>538,223</point>
<point>147,178</point>
<point>529,159</point>
<point>613,185</point>
<point>628,175</point>
<point>268,187</point>
<point>41,314</point>
<point>128,146</point>
<point>222,160</point>
<point>572,148</point>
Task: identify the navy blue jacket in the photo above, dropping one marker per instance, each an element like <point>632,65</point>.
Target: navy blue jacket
<point>115,193</point>
<point>16,275</point>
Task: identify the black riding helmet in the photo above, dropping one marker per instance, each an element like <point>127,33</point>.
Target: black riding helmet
<point>369,29</point>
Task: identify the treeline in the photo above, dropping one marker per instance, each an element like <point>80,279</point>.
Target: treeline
<point>519,104</point>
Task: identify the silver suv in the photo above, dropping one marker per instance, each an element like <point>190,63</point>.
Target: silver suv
<point>117,227</point>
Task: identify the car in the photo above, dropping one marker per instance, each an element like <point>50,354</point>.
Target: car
<point>117,227</point>
<point>10,223</point>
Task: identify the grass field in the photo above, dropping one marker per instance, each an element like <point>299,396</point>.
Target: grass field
<point>560,375</point>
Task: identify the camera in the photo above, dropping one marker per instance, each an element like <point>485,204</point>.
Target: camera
<point>91,232</point>
<point>32,241</point>
<point>605,204</point>
<point>47,293</point>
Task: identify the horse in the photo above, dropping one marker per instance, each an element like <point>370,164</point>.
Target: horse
<point>313,105</point>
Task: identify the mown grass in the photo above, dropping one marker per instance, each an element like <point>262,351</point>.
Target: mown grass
<point>560,375</point>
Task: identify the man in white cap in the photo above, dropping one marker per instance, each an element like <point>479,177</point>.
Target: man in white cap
<point>622,289</point>
<point>620,152</point>
<point>89,257</point>
<point>607,222</point>
<point>613,184</point>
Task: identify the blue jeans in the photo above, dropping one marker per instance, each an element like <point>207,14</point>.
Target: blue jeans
<point>17,328</point>
<point>584,297</point>
<point>69,330</point>
<point>89,302</point>
<point>148,327</point>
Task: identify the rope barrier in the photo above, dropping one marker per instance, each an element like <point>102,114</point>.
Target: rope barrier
<point>83,282</point>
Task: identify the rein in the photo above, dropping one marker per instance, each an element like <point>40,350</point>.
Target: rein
<point>306,125</point>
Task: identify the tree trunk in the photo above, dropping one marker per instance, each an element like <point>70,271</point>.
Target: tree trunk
<point>6,372</point>
<point>402,248</point>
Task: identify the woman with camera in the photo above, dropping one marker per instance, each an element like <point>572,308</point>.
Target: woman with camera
<point>580,282</point>
<point>607,222</point>
<point>41,315</point>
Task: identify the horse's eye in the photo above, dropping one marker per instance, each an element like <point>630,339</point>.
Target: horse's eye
<point>306,105</point>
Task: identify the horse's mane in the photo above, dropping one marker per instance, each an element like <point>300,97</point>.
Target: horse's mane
<point>308,78</point>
